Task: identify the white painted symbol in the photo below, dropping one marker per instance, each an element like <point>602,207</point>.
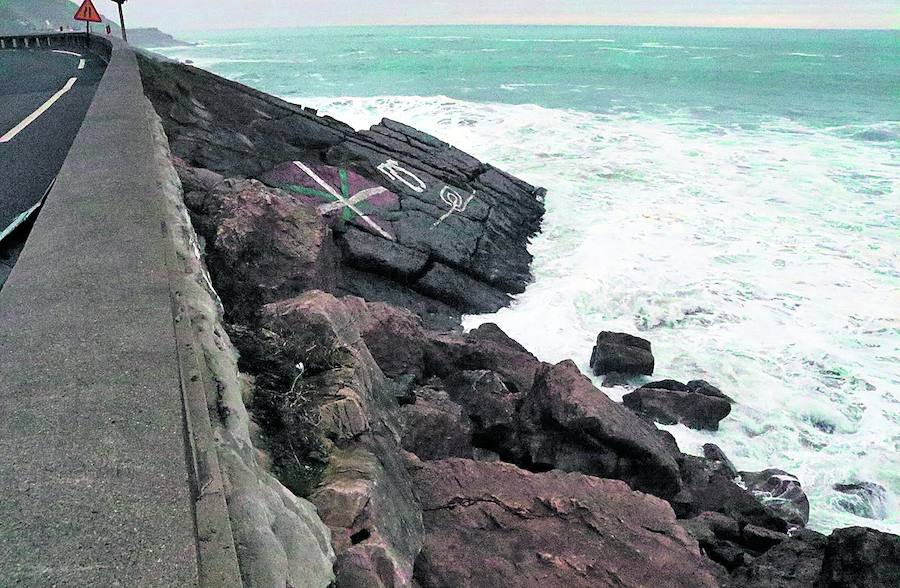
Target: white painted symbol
<point>345,202</point>
<point>455,201</point>
<point>394,171</point>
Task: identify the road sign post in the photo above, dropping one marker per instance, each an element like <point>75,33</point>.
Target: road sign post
<point>87,13</point>
<point>122,19</point>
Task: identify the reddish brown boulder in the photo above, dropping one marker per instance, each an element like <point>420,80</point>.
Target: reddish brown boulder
<point>493,524</point>
<point>435,427</point>
<point>484,348</point>
<point>569,424</point>
<point>395,336</point>
<point>267,246</point>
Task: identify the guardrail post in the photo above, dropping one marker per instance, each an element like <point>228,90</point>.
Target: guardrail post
<point>2,43</point>
<point>15,43</point>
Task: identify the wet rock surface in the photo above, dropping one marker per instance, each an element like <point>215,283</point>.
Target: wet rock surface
<point>781,492</point>
<point>698,404</point>
<point>495,524</point>
<point>621,353</point>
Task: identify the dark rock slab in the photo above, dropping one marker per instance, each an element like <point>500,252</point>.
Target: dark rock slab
<point>493,524</point>
<point>621,353</point>
<point>453,230</point>
<point>781,492</point>
<point>697,405</point>
<point>792,563</point>
<point>857,557</point>
<point>707,488</point>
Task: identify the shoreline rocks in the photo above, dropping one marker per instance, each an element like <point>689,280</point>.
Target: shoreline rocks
<point>698,404</point>
<point>497,524</point>
<point>436,457</point>
<point>621,353</point>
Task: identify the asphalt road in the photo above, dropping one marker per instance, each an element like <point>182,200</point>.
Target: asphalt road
<point>31,159</point>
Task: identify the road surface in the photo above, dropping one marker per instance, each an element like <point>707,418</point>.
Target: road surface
<point>44,96</point>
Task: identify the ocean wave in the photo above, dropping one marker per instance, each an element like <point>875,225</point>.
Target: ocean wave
<point>442,38</point>
<point>799,54</point>
<point>754,256</point>
<point>558,40</point>
<point>653,45</point>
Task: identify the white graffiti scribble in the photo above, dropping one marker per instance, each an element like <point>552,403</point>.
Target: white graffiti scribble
<point>394,171</point>
<point>455,201</point>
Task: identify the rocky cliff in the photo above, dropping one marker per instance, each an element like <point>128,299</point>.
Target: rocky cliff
<point>435,457</point>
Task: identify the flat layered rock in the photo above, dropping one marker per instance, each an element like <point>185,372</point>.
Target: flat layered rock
<point>493,524</point>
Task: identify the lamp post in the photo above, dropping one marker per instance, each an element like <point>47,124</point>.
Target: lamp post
<point>122,19</point>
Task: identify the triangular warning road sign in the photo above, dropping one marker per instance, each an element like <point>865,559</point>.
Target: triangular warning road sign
<point>88,13</point>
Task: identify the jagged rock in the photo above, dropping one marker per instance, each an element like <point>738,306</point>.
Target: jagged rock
<point>196,179</point>
<point>487,399</point>
<point>497,525</point>
<point>448,229</point>
<point>857,557</point>
<point>792,563</point>
<point>693,406</point>
<point>714,453</point>
<point>264,245</point>
<point>706,488</point>
<point>621,353</point>
<point>780,492</point>
<point>569,424</point>
<point>484,348</point>
<point>864,499</point>
<point>365,496</point>
<point>435,426</point>
<point>760,539</point>
<point>395,336</point>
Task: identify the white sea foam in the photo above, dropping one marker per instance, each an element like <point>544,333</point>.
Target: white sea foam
<point>765,261</point>
<point>798,54</point>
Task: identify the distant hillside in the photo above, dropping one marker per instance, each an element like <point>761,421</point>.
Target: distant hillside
<point>29,16</point>
<point>153,37</point>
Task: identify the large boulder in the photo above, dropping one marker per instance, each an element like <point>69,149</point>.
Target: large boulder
<point>395,336</point>
<point>263,245</point>
<point>781,492</point>
<point>622,354</point>
<point>857,557</point>
<point>494,524</point>
<point>793,563</point>
<point>697,405</point>
<point>484,348</point>
<point>569,424</point>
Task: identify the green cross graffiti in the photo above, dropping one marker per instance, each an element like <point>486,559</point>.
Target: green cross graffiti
<point>346,213</point>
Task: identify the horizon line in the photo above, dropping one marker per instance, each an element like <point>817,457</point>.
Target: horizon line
<point>558,25</point>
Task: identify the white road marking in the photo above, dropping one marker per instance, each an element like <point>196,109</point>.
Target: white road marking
<point>34,115</point>
<point>67,52</point>
<point>81,64</point>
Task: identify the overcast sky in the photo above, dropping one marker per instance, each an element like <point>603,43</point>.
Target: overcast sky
<point>183,15</point>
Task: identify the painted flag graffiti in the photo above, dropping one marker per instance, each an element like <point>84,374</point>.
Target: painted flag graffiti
<point>336,192</point>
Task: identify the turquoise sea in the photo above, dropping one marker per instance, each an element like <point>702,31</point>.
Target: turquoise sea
<point>731,195</point>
